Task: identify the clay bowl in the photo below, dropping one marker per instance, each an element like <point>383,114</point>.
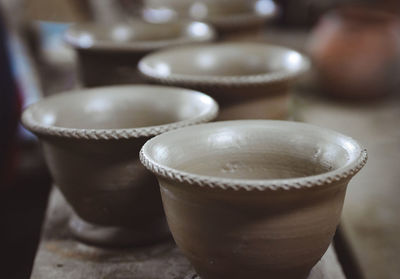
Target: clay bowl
<point>253,198</point>
<point>249,80</point>
<point>108,54</point>
<point>227,16</point>
<point>91,140</point>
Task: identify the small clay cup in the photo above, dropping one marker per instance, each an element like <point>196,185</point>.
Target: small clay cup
<point>91,140</point>
<point>253,198</point>
<point>229,17</point>
<point>108,54</point>
<point>248,80</point>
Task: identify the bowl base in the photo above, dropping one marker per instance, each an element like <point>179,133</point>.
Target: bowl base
<point>117,236</point>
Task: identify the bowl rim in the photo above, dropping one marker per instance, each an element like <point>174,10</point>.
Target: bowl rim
<point>223,81</point>
<point>337,175</point>
<point>40,129</point>
<point>231,21</point>
<point>139,45</point>
<point>237,20</point>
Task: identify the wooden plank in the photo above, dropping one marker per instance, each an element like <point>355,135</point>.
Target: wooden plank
<point>60,256</point>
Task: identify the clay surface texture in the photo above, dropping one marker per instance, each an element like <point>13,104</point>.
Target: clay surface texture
<point>255,198</point>
<point>249,80</point>
<point>108,54</point>
<point>91,140</point>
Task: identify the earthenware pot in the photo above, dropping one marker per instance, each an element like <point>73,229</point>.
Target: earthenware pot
<point>108,54</point>
<point>253,198</point>
<point>249,80</point>
<point>91,140</point>
<point>356,52</point>
<point>227,16</point>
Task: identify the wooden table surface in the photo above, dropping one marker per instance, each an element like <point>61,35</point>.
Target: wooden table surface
<point>62,257</point>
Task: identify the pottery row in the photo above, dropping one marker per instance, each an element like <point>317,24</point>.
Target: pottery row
<point>243,198</point>
<point>248,80</point>
<point>255,197</point>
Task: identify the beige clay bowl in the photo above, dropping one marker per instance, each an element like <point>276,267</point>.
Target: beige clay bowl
<point>225,15</point>
<point>249,80</point>
<point>253,198</point>
<point>137,35</point>
<point>91,141</point>
<point>108,54</point>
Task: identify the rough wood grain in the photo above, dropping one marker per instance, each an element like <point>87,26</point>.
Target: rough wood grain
<point>62,257</point>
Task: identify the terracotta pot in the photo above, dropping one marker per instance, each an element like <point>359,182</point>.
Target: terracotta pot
<point>91,140</point>
<point>356,52</point>
<point>108,54</point>
<point>255,198</point>
<point>227,16</point>
<point>249,80</point>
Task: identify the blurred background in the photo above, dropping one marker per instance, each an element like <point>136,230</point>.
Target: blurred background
<point>353,87</point>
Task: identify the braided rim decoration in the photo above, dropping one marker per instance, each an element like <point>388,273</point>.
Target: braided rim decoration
<point>223,81</point>
<point>112,134</point>
<point>252,185</point>
<point>139,45</point>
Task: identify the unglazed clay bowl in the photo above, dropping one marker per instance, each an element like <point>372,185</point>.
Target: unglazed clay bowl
<point>248,80</point>
<point>108,54</point>
<point>91,140</point>
<point>227,16</point>
<point>253,198</point>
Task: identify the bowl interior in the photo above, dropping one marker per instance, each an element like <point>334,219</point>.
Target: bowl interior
<point>227,59</point>
<point>253,149</point>
<point>86,35</point>
<point>120,107</point>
